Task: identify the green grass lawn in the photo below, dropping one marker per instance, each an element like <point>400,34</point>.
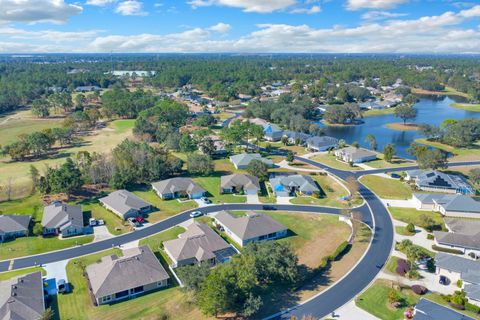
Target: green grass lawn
<point>155,242</point>
<point>31,206</point>
<point>331,161</point>
<point>212,185</point>
<point>114,223</point>
<point>171,303</point>
<point>387,188</point>
<point>459,154</point>
<point>375,301</point>
<point>166,208</point>
<point>26,246</point>
<point>403,231</point>
<point>10,130</point>
<point>396,162</point>
<point>391,265</point>
<point>380,112</point>
<point>123,126</point>
<point>410,215</point>
<point>15,273</point>
<point>467,106</point>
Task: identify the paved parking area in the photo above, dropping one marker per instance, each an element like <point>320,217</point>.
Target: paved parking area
<point>101,233</point>
<point>252,199</point>
<point>56,270</point>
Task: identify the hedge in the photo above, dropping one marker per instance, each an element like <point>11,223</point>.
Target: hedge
<point>448,250</point>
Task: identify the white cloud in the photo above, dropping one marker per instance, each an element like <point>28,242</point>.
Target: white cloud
<point>221,27</point>
<point>263,6</point>
<point>34,11</point>
<point>373,4</point>
<point>380,15</point>
<point>130,8</point>
<point>100,3</point>
<point>312,10</point>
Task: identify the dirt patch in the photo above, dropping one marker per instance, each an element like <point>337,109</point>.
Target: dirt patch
<point>402,126</point>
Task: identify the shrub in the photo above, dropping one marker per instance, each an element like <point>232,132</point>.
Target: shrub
<point>418,289</point>
<point>410,228</point>
<point>413,274</point>
<point>430,236</point>
<point>402,267</point>
<point>472,307</point>
<point>457,306</point>
<point>459,283</point>
<point>37,229</point>
<point>448,250</point>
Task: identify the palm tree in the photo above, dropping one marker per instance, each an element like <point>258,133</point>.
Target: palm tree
<point>372,141</point>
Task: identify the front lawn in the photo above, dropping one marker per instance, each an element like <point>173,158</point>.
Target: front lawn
<point>171,303</point>
<point>114,223</point>
<point>26,246</point>
<point>391,265</point>
<point>387,188</point>
<point>331,161</point>
<point>212,185</point>
<point>375,300</point>
<point>396,162</point>
<point>403,231</point>
<point>166,208</point>
<point>410,215</point>
<point>155,242</point>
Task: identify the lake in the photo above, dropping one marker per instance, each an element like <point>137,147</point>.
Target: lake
<point>432,110</point>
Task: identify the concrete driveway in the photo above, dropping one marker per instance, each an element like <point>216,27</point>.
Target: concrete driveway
<point>101,233</point>
<point>56,270</point>
<point>253,199</point>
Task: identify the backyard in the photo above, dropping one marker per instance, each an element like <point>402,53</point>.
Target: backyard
<point>471,153</point>
<point>212,185</point>
<point>331,161</point>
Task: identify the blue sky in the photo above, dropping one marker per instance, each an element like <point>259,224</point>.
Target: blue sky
<point>355,26</point>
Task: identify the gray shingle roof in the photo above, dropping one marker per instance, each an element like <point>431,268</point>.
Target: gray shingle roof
<point>469,269</point>
<point>61,215</point>
<point>21,298</point>
<point>244,159</point>
<point>286,181</point>
<point>458,203</point>
<point>470,227</point>
<point>123,201</point>
<point>428,310</point>
<point>297,135</point>
<point>198,241</point>
<point>463,233</point>
<point>252,225</point>
<point>438,179</point>
<point>137,267</point>
<point>177,185</point>
<point>356,153</point>
<point>14,223</point>
<point>245,181</point>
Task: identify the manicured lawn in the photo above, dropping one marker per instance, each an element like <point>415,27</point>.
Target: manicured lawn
<point>396,162</point>
<point>410,215</point>
<point>155,242</point>
<point>172,303</point>
<point>31,206</point>
<point>212,185</point>
<point>26,246</point>
<point>166,208</point>
<point>403,231</point>
<point>391,265</point>
<point>375,301</point>
<point>459,154</point>
<point>387,188</point>
<point>467,106</point>
<point>380,112</point>
<point>122,126</point>
<point>399,126</point>
<point>114,223</point>
<point>447,91</point>
<point>331,161</point>
<point>10,274</point>
<point>331,192</point>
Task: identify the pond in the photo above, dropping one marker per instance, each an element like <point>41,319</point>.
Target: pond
<point>432,110</point>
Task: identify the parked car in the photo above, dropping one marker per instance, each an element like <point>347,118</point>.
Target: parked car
<point>196,214</point>
<point>133,222</point>
<point>269,208</point>
<point>395,176</point>
<point>443,280</point>
<point>205,200</point>
<point>100,222</point>
<point>63,286</point>
<point>92,222</point>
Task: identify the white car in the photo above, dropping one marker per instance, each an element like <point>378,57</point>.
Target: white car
<point>100,222</point>
<point>205,200</point>
<point>196,214</point>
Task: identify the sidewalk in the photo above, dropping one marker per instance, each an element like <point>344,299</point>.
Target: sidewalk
<point>350,311</point>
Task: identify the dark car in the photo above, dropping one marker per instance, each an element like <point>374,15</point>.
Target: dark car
<point>63,286</point>
<point>443,280</point>
<point>395,176</point>
<point>269,208</point>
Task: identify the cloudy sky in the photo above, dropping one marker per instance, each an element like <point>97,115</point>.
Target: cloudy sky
<point>353,26</point>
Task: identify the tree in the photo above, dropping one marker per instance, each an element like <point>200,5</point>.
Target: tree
<point>34,177</point>
<point>67,178</point>
<point>207,146</point>
<point>37,229</point>
<point>389,152</point>
<point>48,314</point>
<point>290,156</point>
<point>258,169</point>
<point>284,140</point>
<point>40,108</point>
<point>428,158</point>
<point>187,144</point>
<point>370,139</point>
<point>199,164</point>
<point>353,187</point>
<point>193,276</point>
<point>356,144</point>
<point>410,228</point>
<point>405,112</point>
<point>474,175</point>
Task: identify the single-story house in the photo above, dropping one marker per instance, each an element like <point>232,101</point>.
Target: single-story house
<point>321,143</point>
<point>87,88</point>
<point>462,235</point>
<point>178,188</point>
<point>61,218</point>
<point>137,272</point>
<point>13,226</point>
<point>238,182</point>
<point>437,181</point>
<point>293,137</point>
<point>272,132</point>
<point>457,268</point>
<point>125,204</point>
<point>199,243</point>
<point>450,205</point>
<point>218,144</point>
<point>286,184</point>
<point>242,160</point>
<point>355,155</point>
<point>251,227</point>
<point>429,310</point>
<point>22,297</point>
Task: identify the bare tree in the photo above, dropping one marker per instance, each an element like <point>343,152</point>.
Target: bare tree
<point>9,188</point>
<point>353,187</point>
